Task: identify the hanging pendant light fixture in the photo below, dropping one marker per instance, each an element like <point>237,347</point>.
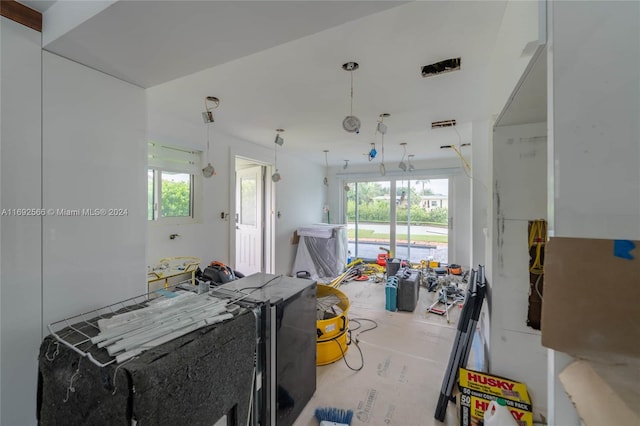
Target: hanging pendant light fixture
<point>275,177</point>
<point>351,123</point>
<point>346,165</point>
<point>382,129</point>
<point>326,168</point>
<point>209,170</point>
<point>372,152</point>
<point>402,165</point>
<point>411,166</point>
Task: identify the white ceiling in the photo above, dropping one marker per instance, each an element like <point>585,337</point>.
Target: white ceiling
<point>278,64</point>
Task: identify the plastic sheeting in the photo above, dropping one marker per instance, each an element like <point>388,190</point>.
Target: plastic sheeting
<point>322,251</point>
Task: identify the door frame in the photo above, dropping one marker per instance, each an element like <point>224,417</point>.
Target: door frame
<point>268,203</point>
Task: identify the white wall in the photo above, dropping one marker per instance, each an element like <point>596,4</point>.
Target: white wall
<point>517,39</point>
<point>520,195</point>
<point>94,156</point>
<point>513,48</point>
<point>481,162</point>
<point>20,266</point>
<point>594,82</point>
<point>460,234</point>
<point>596,126</point>
<point>299,197</point>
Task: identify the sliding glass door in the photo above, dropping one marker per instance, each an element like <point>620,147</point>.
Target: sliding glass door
<point>368,212</point>
<point>407,216</point>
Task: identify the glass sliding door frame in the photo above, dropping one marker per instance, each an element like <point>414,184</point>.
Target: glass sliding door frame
<point>369,251</point>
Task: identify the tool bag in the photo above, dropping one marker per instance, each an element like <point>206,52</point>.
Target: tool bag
<point>218,273</point>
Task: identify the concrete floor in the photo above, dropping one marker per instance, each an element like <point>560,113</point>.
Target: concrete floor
<point>405,359</point>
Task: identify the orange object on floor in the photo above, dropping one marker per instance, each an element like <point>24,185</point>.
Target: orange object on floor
<point>455,269</point>
<point>382,259</point>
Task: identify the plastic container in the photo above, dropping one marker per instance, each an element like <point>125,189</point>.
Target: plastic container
<point>391,294</point>
<point>331,343</point>
<point>497,414</point>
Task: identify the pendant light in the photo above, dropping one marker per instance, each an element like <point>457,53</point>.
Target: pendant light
<point>402,165</point>
<point>207,116</point>
<point>279,141</point>
<point>411,166</point>
<point>372,152</point>
<point>346,182</point>
<point>382,129</point>
<point>351,123</point>
<point>326,168</point>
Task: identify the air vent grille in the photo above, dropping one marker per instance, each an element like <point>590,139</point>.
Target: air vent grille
<point>444,123</point>
<point>441,67</point>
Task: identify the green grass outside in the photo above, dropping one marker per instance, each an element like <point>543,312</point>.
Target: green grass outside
<point>369,234</point>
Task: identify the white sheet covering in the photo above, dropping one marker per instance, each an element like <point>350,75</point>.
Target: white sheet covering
<point>322,251</point>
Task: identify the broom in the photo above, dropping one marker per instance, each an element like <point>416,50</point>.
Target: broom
<point>333,416</point>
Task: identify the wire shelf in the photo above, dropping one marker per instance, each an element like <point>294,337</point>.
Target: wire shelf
<point>76,332</point>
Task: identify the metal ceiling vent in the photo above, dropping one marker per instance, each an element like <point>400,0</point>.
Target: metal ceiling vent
<point>441,67</point>
<point>443,123</point>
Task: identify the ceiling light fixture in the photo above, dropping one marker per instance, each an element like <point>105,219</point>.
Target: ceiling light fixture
<point>351,123</point>
<point>346,165</point>
<point>411,166</point>
<point>207,115</point>
<point>326,168</point>
<point>402,165</point>
<point>209,170</point>
<point>279,142</point>
<point>372,152</point>
<point>382,129</point>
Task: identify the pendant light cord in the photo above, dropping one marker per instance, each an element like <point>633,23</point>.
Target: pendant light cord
<point>351,111</point>
<point>208,157</point>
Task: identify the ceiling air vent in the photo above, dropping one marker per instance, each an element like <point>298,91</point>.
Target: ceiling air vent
<point>444,123</point>
<point>441,67</point>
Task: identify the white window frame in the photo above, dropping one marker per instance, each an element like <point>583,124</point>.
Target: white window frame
<point>164,158</point>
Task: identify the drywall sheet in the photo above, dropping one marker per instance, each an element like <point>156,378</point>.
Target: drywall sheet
<point>591,296</point>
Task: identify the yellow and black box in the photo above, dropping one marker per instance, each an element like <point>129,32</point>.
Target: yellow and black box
<point>478,389</point>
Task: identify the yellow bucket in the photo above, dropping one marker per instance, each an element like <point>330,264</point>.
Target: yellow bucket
<point>332,332</point>
<point>331,350</point>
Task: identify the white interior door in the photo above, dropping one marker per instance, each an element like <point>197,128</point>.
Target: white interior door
<point>249,219</point>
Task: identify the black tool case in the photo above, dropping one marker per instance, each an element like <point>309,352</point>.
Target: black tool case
<point>408,288</point>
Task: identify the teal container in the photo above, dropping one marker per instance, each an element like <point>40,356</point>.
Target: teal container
<point>391,294</point>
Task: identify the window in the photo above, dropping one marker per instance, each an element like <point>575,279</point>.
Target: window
<point>172,177</point>
<point>415,235</point>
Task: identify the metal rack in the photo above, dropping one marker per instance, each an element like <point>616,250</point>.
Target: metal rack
<point>76,332</point>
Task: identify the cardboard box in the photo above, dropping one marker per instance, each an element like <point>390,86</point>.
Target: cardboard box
<point>478,389</point>
<point>591,298</point>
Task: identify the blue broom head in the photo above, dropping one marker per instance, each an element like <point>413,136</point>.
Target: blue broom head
<point>336,415</point>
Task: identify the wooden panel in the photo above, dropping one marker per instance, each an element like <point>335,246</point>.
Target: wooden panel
<point>20,13</point>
